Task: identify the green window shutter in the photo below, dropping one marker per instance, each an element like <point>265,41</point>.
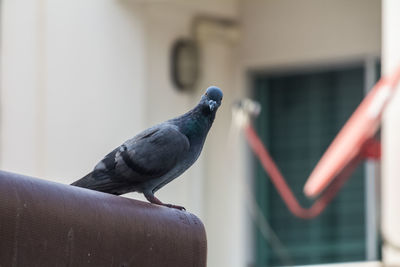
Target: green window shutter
<point>301,115</point>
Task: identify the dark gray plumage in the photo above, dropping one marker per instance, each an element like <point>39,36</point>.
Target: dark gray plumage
<point>157,155</point>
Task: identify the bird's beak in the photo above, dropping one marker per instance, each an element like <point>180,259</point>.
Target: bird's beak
<point>212,104</point>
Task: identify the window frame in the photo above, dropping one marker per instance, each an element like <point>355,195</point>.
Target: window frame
<point>371,66</point>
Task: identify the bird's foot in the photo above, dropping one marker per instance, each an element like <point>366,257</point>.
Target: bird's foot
<point>152,199</point>
<point>174,206</point>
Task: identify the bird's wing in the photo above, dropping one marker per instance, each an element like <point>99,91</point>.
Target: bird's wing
<point>150,154</point>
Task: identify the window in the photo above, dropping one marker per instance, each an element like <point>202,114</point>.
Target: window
<point>302,113</point>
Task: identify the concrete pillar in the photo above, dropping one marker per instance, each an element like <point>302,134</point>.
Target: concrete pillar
<point>391,137</point>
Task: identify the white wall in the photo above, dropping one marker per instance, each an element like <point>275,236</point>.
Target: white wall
<point>287,32</point>
<point>95,81</point>
<point>72,84</point>
<point>19,86</point>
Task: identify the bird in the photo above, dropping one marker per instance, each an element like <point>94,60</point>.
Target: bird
<point>157,155</point>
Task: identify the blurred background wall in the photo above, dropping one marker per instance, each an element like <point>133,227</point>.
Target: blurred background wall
<point>80,77</point>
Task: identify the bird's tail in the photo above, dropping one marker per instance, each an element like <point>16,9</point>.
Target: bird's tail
<point>85,181</point>
<point>101,183</point>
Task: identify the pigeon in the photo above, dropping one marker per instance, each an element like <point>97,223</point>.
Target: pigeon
<point>157,155</point>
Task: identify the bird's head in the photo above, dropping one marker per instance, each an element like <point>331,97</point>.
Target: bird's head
<point>211,100</point>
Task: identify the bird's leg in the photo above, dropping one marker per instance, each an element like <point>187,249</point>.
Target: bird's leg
<point>152,199</point>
